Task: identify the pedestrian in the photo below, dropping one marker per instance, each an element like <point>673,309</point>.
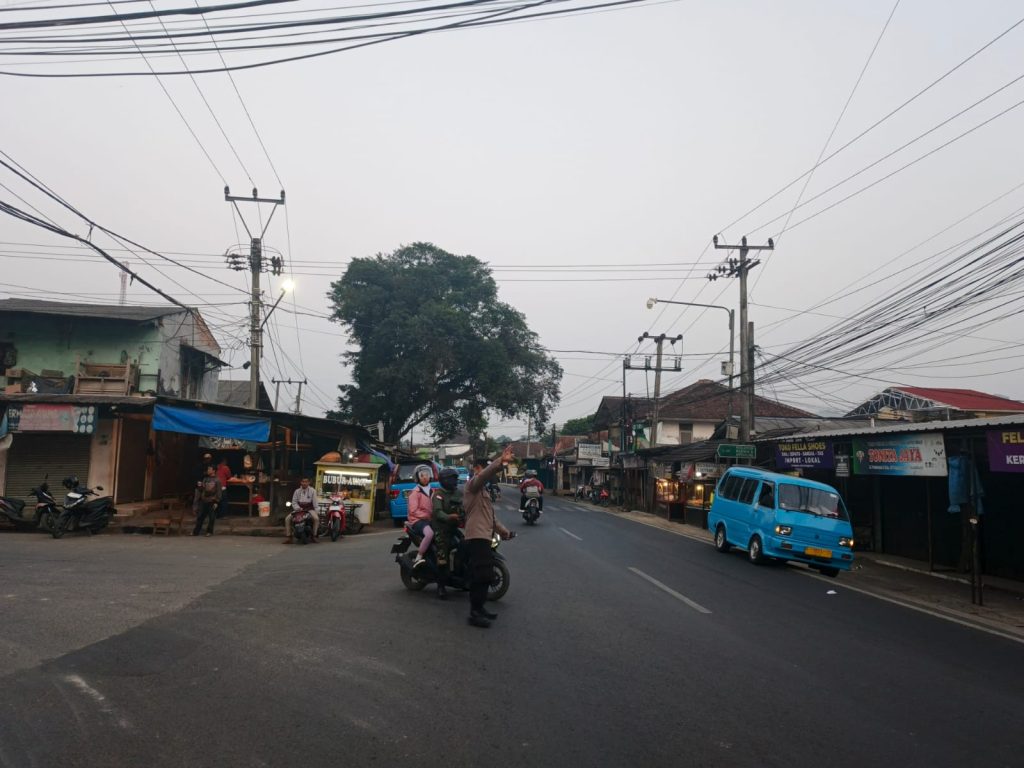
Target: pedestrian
<point>208,496</point>
<point>481,525</point>
<point>223,474</point>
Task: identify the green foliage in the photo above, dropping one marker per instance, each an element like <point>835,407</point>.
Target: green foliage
<point>580,426</point>
<point>434,345</point>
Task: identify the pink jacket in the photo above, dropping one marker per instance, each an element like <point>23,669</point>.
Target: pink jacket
<point>421,507</point>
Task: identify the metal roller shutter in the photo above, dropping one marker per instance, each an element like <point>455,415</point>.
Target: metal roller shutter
<point>32,456</point>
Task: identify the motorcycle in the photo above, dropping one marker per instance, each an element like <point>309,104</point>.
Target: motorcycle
<point>80,514</point>
<point>302,523</point>
<point>11,512</point>
<point>458,571</point>
<point>47,512</point>
<point>582,492</point>
<point>531,510</point>
<point>600,496</point>
<point>494,491</point>
<point>338,518</point>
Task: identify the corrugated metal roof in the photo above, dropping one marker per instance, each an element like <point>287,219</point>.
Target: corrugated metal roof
<point>920,426</point>
<point>104,311</point>
<point>35,397</point>
<point>965,399</point>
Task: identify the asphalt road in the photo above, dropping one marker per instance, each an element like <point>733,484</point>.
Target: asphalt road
<point>618,645</point>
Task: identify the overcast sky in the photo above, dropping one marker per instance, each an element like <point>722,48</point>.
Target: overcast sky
<point>616,139</point>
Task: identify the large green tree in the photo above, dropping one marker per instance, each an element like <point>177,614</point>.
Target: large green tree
<point>433,345</point>
<point>581,426</point>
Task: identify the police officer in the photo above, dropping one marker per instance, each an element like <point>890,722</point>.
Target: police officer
<point>447,508</point>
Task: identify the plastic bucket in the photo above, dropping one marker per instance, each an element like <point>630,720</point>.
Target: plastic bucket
<point>264,508</point>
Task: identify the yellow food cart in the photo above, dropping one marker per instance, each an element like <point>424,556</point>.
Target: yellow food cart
<point>360,480</point>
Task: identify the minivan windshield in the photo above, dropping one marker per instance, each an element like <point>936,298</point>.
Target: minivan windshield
<point>406,473</point>
<point>800,498</point>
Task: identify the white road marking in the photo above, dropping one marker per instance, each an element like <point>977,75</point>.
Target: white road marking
<point>696,606</point>
<point>570,533</point>
<point>919,608</point>
<point>96,696</point>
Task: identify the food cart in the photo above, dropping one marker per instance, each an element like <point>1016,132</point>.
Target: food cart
<point>360,480</point>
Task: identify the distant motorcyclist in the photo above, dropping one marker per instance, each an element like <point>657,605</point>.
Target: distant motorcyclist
<point>530,488</point>
<point>447,507</point>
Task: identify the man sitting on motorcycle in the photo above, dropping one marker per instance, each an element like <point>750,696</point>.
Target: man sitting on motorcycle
<point>531,482</point>
<point>304,498</point>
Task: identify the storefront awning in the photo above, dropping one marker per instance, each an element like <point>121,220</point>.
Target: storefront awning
<point>210,424</point>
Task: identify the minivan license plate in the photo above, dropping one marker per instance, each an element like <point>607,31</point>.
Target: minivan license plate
<point>816,552</point>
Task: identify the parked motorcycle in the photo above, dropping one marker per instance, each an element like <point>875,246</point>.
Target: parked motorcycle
<point>458,571</point>
<point>531,510</point>
<point>494,491</point>
<point>81,514</point>
<point>11,512</point>
<point>47,509</point>
<point>338,518</point>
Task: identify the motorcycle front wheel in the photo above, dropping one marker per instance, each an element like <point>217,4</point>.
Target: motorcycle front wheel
<point>499,582</point>
<point>335,529</point>
<point>412,583</point>
<point>58,526</point>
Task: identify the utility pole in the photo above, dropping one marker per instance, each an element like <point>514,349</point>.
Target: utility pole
<point>256,266</point>
<point>277,391</point>
<point>529,424</point>
<point>677,365</point>
<point>740,268</point>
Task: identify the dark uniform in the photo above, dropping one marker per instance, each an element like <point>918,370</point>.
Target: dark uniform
<point>447,508</point>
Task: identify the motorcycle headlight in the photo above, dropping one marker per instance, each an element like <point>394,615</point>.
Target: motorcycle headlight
<point>494,540</point>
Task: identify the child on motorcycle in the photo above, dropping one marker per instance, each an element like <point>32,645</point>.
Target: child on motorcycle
<point>421,508</point>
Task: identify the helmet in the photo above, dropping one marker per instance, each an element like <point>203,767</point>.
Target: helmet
<point>422,468</point>
<point>70,482</point>
<point>449,478</point>
<point>531,473</point>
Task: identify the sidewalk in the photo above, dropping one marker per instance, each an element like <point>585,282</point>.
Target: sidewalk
<point>903,581</point>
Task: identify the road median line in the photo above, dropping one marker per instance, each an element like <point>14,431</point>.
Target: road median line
<point>665,588</point>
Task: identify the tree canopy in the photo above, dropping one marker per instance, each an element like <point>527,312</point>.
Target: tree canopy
<point>581,426</point>
<point>433,345</point>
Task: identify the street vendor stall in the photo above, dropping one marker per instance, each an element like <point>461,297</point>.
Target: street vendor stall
<point>360,480</point>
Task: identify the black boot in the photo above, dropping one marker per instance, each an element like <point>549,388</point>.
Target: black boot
<point>479,620</point>
<point>483,612</point>
<point>442,593</point>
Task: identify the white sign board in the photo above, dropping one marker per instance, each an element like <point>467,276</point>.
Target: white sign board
<point>601,461</point>
<point>588,451</point>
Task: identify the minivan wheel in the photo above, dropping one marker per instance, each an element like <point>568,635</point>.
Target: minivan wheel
<point>755,551</point>
<point>833,572</point>
<point>721,543</point>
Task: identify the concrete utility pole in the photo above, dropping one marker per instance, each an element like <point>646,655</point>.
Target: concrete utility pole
<point>256,266</point>
<point>676,367</point>
<point>277,391</point>
<point>740,268</point>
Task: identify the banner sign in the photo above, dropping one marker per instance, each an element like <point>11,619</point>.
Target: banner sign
<point>804,454</point>
<point>601,461</point>
<point>842,466</point>
<point>1006,450</point>
<point>588,451</point>
<point>52,418</point>
<point>917,455</point>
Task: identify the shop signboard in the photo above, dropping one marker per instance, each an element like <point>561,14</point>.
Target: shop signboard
<point>706,469</point>
<point>52,418</point>
<point>842,466</point>
<point>921,455</point>
<point>588,451</point>
<point>1006,450</point>
<point>601,461</point>
<point>804,454</point>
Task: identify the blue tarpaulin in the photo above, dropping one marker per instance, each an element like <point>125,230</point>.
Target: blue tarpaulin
<point>210,424</point>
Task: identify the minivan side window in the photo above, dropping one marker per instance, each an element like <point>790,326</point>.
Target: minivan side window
<point>746,494</point>
<point>766,498</point>
<point>730,487</point>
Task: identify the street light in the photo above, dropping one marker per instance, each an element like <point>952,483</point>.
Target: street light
<point>286,287</point>
<point>732,325</point>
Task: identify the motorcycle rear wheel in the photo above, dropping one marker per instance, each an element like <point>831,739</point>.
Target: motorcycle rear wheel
<point>58,526</point>
<point>335,529</point>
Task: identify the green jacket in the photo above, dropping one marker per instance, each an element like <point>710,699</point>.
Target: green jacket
<point>447,508</point>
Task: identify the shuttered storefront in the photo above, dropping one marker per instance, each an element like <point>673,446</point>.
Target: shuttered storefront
<point>32,456</point>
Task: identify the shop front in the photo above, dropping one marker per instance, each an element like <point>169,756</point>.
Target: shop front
<point>358,481</point>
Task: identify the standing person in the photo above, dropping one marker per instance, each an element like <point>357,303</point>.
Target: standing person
<point>421,509</point>
<point>223,474</point>
<point>208,495</point>
<point>480,527</point>
<point>445,518</point>
<point>303,498</point>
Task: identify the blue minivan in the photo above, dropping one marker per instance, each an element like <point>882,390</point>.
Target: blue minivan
<point>402,484</point>
<point>782,517</point>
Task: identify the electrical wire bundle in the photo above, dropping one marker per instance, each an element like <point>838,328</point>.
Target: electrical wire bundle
<point>178,39</point>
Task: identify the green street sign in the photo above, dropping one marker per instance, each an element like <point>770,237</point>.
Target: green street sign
<point>736,451</point>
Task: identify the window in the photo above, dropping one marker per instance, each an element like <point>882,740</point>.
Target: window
<point>730,486</point>
<point>746,494</point>
<point>766,498</point>
<point>800,498</point>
